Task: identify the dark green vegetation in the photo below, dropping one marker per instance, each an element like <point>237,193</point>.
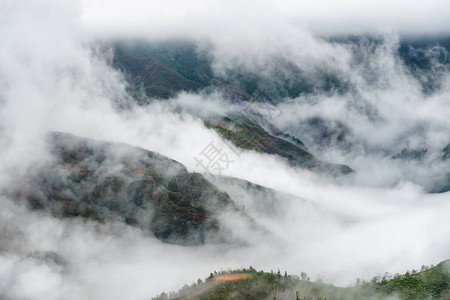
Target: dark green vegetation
<point>243,133</point>
<point>106,181</point>
<point>430,283</point>
<point>160,71</point>
<point>242,284</point>
<point>411,154</point>
<point>163,69</point>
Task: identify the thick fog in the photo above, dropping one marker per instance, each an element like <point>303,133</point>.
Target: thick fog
<point>56,75</point>
<point>325,17</point>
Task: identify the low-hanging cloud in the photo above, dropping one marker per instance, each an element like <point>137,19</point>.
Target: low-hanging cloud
<point>175,17</point>
<point>55,77</point>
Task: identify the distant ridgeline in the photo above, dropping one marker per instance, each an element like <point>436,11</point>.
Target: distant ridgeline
<point>246,134</point>
<point>162,69</point>
<point>429,283</point>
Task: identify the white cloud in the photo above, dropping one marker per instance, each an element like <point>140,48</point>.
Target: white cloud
<point>218,17</point>
<point>52,79</point>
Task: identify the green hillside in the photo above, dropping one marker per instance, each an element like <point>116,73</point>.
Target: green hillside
<point>430,283</point>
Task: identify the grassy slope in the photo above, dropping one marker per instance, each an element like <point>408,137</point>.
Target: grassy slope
<point>254,286</point>
<point>433,283</point>
<point>429,284</point>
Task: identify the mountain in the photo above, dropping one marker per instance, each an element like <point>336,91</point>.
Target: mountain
<point>191,69</point>
<point>162,70</point>
<point>246,134</point>
<point>256,199</point>
<point>103,181</point>
<point>430,283</point>
<point>168,67</point>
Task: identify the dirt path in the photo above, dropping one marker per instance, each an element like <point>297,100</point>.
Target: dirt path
<point>222,278</point>
<point>231,277</point>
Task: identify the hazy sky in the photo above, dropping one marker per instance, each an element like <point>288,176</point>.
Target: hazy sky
<point>321,16</point>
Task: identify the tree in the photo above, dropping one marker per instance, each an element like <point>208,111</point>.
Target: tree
<point>303,276</point>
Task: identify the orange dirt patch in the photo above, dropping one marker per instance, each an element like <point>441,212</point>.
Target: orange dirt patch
<point>218,279</point>
<point>232,277</point>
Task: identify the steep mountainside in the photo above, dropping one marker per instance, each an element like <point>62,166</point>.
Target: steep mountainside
<point>191,69</point>
<point>106,181</point>
<point>162,70</point>
<point>246,134</point>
